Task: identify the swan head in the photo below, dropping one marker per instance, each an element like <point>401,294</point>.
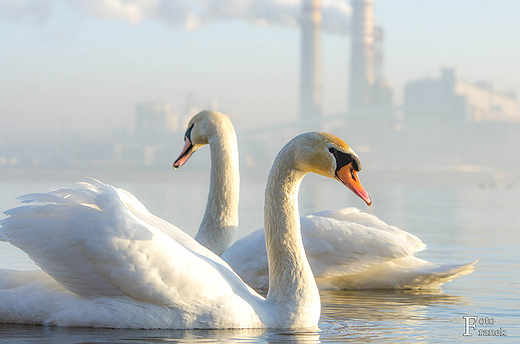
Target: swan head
<point>201,129</point>
<point>329,156</point>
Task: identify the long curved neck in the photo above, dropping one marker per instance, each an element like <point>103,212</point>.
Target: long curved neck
<point>291,282</point>
<point>220,220</point>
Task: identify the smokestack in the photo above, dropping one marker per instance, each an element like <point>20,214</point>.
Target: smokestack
<point>310,82</point>
<point>362,55</point>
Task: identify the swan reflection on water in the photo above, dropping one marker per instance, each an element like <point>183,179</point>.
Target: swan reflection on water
<point>347,316</point>
<point>43,334</point>
<point>369,315</point>
<point>405,306</point>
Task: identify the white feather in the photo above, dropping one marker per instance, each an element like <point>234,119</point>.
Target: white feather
<point>100,243</point>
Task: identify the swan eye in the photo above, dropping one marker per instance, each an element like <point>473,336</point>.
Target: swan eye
<point>343,159</point>
<point>188,132</point>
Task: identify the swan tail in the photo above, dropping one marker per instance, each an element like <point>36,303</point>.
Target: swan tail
<point>444,273</point>
<point>405,273</point>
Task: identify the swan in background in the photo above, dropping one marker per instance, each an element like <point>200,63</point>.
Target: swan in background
<point>220,220</point>
<point>347,248</point>
<point>107,262</point>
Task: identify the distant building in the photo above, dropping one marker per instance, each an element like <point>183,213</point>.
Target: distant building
<point>369,91</point>
<point>310,67</point>
<point>381,96</point>
<point>362,54</point>
<point>191,108</point>
<point>153,122</point>
<point>458,101</point>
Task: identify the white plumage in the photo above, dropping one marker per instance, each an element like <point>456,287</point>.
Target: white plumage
<point>110,255</point>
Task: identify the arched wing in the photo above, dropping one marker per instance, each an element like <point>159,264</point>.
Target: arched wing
<point>100,241</point>
<point>348,241</point>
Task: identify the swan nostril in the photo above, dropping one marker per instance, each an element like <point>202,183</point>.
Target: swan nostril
<point>353,174</point>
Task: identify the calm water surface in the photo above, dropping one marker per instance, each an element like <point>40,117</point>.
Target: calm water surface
<point>460,217</point>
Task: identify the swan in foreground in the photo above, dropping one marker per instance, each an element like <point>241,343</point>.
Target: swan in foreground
<point>347,248</point>
<point>107,262</point>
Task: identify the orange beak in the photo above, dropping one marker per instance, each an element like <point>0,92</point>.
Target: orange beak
<point>187,151</point>
<point>348,176</point>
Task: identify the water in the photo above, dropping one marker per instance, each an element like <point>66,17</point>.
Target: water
<point>460,216</point>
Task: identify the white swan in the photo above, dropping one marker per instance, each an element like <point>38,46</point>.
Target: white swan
<point>113,264</point>
<point>347,248</point>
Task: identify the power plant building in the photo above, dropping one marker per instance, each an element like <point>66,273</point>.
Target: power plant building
<point>153,122</point>
<point>459,101</point>
<point>362,54</point>
<point>369,91</point>
<point>310,75</point>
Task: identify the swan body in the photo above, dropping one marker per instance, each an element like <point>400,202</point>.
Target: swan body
<point>349,249</point>
<point>346,248</point>
<point>107,262</point>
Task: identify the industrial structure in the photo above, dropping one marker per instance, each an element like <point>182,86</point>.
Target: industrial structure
<point>444,121</point>
<point>460,112</point>
<point>362,55</point>
<point>457,101</point>
<point>310,76</point>
<point>153,122</point>
<point>369,91</point>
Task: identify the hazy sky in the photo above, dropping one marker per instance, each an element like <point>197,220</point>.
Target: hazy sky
<point>81,65</point>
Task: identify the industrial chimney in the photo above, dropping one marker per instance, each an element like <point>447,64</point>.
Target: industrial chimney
<point>310,82</point>
<point>362,55</point>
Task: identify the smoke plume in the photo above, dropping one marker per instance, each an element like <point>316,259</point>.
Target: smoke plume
<point>28,11</point>
<point>185,14</point>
